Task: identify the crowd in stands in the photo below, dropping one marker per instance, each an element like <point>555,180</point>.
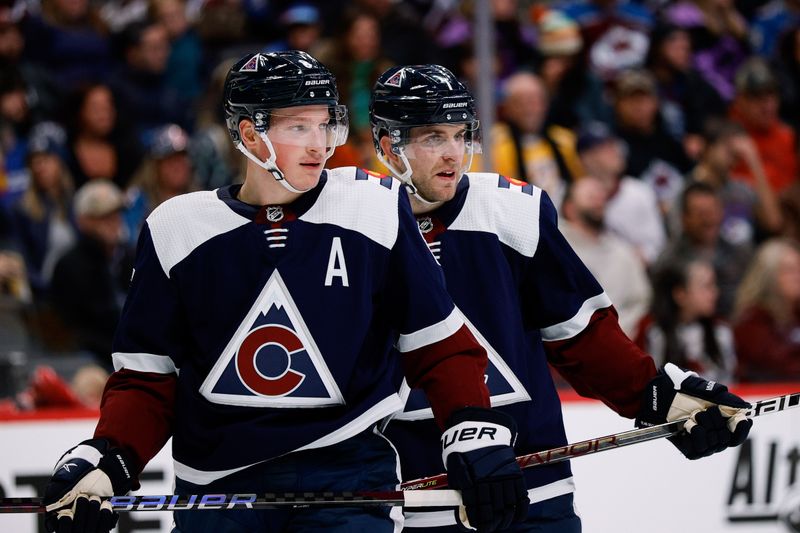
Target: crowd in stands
<point>665,132</point>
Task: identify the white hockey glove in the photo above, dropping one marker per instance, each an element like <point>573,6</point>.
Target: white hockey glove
<point>716,417</point>
<point>83,475</point>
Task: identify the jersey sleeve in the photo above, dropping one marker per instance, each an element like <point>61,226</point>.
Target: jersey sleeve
<point>578,324</point>
<point>136,411</point>
<point>439,353</point>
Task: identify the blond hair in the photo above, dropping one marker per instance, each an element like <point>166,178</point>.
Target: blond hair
<point>759,287</point>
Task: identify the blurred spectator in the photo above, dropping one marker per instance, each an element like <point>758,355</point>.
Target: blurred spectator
<point>90,280</point>
<point>771,23</point>
<point>42,92</point>
<point>631,207</point>
<point>42,217</point>
<point>653,156</point>
<point>524,147</point>
<point>166,172</point>
<point>682,327</point>
<point>185,64</point>
<point>118,14</point>
<point>577,93</point>
<point>13,278</point>
<point>141,86</point>
<point>701,221</point>
<point>719,39</point>
<point>787,70</point>
<point>302,28</point>
<point>16,119</point>
<point>756,108</point>
<point>88,384</point>
<point>687,100</point>
<point>355,58</point>
<point>610,259</point>
<point>70,40</point>
<point>614,33</point>
<point>215,160</point>
<point>767,327</point>
<point>403,38</point>
<point>101,145</point>
<point>748,212</point>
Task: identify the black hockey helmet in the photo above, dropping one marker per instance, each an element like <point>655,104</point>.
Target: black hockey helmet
<point>261,82</point>
<point>418,95</point>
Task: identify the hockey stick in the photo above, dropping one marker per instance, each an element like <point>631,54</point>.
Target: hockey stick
<point>610,442</point>
<point>410,499</point>
<point>410,496</point>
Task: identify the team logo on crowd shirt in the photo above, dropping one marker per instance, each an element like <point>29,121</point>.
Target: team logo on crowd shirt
<point>272,359</point>
<point>504,386</point>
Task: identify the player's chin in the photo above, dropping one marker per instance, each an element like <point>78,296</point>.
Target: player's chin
<point>307,175</point>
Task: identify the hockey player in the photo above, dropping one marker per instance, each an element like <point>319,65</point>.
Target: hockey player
<point>527,298</point>
<point>258,334</point>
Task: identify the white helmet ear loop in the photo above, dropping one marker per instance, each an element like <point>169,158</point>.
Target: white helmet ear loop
<point>404,176</point>
<point>269,165</point>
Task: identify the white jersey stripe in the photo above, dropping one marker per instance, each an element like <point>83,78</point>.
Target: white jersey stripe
<point>432,334</point>
<point>576,324</point>
<point>144,362</point>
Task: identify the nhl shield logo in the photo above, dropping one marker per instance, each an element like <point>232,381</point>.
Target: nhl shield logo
<point>272,359</point>
<point>425,224</point>
<point>251,65</point>
<point>274,213</point>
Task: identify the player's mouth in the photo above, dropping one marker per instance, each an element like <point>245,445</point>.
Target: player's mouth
<point>447,174</point>
<point>312,165</point>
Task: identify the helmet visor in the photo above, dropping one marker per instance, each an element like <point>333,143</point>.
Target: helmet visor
<point>458,142</point>
<point>309,126</point>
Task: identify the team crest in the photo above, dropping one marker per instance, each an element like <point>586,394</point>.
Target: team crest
<point>251,65</point>
<point>396,79</point>
<point>272,359</point>
<point>425,224</point>
<point>504,387</point>
<point>274,213</point>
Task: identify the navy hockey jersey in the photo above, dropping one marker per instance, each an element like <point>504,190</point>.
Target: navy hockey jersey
<point>528,299</point>
<point>251,332</point>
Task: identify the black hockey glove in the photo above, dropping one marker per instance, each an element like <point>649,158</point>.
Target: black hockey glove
<point>477,451</point>
<point>717,417</point>
<point>90,470</point>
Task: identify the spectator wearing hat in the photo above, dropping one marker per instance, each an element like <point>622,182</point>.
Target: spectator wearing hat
<point>525,147</point>
<point>653,155</point>
<point>302,28</point>
<point>42,217</point>
<point>577,93</point>
<point>614,32</point>
<point>631,210</point>
<point>91,279</point>
<point>166,172</point>
<point>756,109</point>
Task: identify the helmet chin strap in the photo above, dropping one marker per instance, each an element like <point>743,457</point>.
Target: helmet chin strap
<point>270,166</point>
<point>404,176</point>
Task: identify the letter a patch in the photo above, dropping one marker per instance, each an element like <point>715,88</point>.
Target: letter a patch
<point>272,360</point>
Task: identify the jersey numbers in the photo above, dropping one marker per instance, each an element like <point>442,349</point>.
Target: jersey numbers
<point>337,268</point>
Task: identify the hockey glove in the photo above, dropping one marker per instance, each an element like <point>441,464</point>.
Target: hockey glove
<point>716,417</point>
<point>90,470</point>
<point>477,451</point>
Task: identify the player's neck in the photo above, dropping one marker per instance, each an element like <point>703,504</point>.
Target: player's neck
<point>419,207</point>
<point>261,188</point>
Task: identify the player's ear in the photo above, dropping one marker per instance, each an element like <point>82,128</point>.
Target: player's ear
<point>248,134</point>
<point>386,146</point>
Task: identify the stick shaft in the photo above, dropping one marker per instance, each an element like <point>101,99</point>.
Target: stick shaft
<point>287,500</point>
<point>611,442</point>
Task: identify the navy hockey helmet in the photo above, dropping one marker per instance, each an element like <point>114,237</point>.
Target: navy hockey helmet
<point>259,83</point>
<point>419,95</point>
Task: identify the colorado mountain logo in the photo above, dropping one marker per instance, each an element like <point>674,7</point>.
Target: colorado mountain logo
<point>504,386</point>
<point>272,360</point>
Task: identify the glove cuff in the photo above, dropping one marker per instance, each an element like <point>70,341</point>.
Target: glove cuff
<point>119,466</point>
<point>472,428</point>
